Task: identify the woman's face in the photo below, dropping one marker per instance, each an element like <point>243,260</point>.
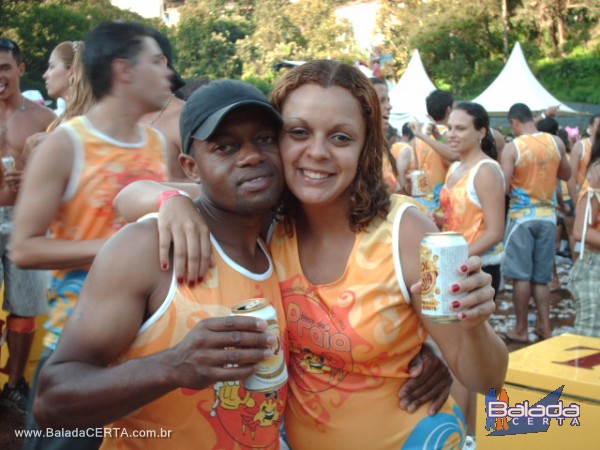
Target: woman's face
<point>384,100</point>
<point>321,142</point>
<point>462,135</point>
<point>57,77</point>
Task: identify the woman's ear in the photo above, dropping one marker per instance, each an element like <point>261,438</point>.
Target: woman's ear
<point>190,168</point>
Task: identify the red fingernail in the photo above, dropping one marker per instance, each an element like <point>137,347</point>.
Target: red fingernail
<point>200,279</point>
<point>462,315</point>
<point>455,288</point>
<point>464,268</point>
<point>165,266</point>
<point>180,280</point>
<point>456,304</point>
<point>191,283</point>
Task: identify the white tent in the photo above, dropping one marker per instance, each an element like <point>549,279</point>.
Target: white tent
<point>517,84</point>
<point>408,96</point>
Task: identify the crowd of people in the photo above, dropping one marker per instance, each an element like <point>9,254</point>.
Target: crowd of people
<point>306,199</point>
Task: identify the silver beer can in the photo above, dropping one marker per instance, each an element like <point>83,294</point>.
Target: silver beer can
<point>418,183</point>
<point>272,373</point>
<point>9,163</point>
<point>441,256</point>
<point>427,128</point>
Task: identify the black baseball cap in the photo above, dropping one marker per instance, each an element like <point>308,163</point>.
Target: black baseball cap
<point>206,108</point>
<point>165,46</point>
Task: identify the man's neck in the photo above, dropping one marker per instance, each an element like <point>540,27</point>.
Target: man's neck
<point>15,101</point>
<point>237,235</point>
<point>115,118</point>
<point>527,128</point>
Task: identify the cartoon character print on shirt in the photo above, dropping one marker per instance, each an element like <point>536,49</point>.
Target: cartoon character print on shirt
<point>252,419</point>
<point>321,336</point>
<point>319,348</point>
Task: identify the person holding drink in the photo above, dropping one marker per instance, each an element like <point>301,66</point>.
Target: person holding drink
<point>24,290</point>
<point>148,353</point>
<point>345,252</point>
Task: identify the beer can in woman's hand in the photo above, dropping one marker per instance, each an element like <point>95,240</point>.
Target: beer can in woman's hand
<point>418,183</point>
<point>441,256</point>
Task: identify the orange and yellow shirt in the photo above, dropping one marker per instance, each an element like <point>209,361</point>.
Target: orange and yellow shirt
<point>225,415</point>
<point>463,211</point>
<point>434,166</point>
<point>388,173</point>
<point>102,167</point>
<point>533,184</point>
<point>351,342</point>
<point>584,160</point>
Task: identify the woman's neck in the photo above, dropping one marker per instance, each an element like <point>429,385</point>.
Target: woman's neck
<point>472,157</point>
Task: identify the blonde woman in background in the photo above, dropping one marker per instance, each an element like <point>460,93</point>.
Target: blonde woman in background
<point>65,78</point>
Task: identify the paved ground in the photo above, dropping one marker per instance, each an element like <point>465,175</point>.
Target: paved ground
<point>562,316</point>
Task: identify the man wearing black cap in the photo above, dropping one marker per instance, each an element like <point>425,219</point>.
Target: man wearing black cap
<point>161,358</point>
<point>166,119</point>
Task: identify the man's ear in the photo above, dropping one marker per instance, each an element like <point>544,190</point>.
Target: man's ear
<point>21,69</point>
<point>121,69</point>
<point>190,168</point>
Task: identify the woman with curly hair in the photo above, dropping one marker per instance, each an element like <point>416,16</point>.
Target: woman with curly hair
<point>346,259</point>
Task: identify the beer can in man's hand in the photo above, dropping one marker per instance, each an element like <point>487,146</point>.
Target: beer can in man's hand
<point>272,373</point>
<point>427,127</point>
<point>9,163</point>
<point>441,256</point>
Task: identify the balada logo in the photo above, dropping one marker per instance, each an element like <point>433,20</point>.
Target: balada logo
<point>522,418</point>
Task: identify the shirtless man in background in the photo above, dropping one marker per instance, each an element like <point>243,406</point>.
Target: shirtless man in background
<point>24,290</point>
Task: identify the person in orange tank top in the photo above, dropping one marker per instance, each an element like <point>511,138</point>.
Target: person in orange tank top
<point>143,353</point>
<point>76,171</point>
<point>531,164</point>
<point>472,201</point>
<point>343,365</point>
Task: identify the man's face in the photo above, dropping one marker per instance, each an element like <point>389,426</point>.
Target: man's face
<point>516,126</point>
<point>152,77</point>
<point>10,73</point>
<point>239,165</point>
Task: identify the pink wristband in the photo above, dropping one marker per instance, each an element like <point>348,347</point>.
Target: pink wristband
<point>170,194</point>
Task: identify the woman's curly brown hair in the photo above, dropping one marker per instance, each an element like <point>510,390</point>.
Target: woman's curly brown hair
<point>369,197</point>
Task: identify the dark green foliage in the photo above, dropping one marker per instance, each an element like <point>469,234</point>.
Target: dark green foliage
<point>461,43</point>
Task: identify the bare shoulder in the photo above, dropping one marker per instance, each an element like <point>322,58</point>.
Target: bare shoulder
<point>40,114</point>
<point>133,249</point>
<point>509,151</point>
<point>558,141</point>
<point>57,143</point>
<point>489,172</point>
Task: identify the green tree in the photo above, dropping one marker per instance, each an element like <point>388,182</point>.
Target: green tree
<point>38,26</point>
<point>275,38</point>
<point>550,22</point>
<point>303,30</point>
<point>206,40</point>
